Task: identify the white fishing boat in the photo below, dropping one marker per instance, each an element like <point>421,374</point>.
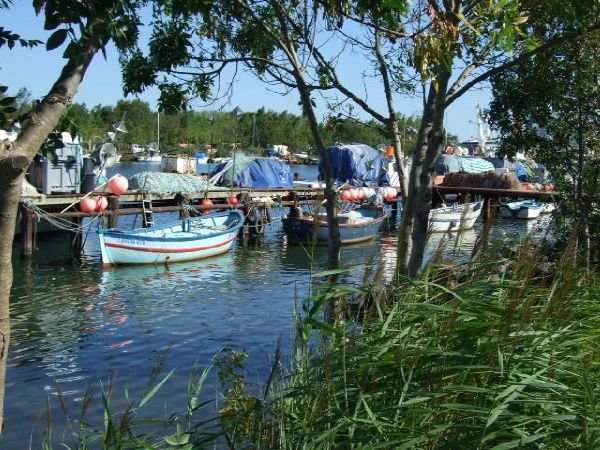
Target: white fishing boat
<point>150,157</point>
<point>548,208</point>
<point>182,240</point>
<point>455,217</point>
<point>524,209</point>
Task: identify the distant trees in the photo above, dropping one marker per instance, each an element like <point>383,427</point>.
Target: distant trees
<point>202,128</point>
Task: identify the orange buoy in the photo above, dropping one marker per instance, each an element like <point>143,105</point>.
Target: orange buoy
<point>389,151</point>
<point>87,204</point>
<point>118,184</point>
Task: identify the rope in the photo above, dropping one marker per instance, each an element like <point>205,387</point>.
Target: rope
<point>58,222</point>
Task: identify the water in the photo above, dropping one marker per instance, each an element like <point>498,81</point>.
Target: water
<point>75,324</point>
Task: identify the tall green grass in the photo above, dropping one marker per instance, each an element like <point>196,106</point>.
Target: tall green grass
<point>486,355</point>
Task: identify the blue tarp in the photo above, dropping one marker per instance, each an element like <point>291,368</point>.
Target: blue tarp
<point>255,173</point>
<point>357,165</point>
<point>450,164</point>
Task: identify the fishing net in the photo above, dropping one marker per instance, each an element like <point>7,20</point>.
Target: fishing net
<point>489,180</point>
<point>169,183</point>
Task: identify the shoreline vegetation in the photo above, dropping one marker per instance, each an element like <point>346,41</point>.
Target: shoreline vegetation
<point>498,352</point>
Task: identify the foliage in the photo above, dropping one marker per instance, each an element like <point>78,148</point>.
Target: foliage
<point>549,107</point>
<point>481,356</point>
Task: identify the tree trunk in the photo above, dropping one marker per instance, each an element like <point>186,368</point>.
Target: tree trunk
<point>14,160</point>
<point>330,192</point>
<point>433,134</point>
<point>412,236</point>
<point>395,134</point>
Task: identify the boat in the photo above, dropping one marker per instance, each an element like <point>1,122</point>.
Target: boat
<point>178,164</point>
<point>548,208</point>
<point>455,217</point>
<point>524,209</point>
<point>150,157</point>
<point>356,225</point>
<point>182,240</point>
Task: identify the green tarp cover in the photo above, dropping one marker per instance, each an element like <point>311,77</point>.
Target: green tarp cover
<point>169,183</point>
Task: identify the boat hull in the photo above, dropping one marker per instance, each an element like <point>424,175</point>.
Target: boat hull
<point>522,210</point>
<point>195,238</point>
<point>454,218</point>
<point>304,229</point>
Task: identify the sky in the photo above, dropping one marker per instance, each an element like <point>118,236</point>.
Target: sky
<point>36,69</point>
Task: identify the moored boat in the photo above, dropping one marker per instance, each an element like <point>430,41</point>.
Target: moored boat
<point>454,218</point>
<point>357,225</point>
<point>524,209</point>
<point>182,240</point>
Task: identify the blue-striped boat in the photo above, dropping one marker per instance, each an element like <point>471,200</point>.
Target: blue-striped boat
<point>183,240</point>
<point>357,225</point>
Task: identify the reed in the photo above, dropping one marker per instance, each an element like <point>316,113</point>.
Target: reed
<point>498,361</point>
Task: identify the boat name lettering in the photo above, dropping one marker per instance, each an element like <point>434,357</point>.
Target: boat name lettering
<point>133,241</point>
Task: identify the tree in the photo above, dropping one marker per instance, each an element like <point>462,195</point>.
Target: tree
<point>193,43</point>
<point>87,27</point>
<point>453,46</point>
<point>549,106</point>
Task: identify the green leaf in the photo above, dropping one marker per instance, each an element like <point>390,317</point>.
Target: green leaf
<point>57,39</point>
<point>155,389</point>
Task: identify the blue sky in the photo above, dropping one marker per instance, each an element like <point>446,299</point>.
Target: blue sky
<point>36,69</point>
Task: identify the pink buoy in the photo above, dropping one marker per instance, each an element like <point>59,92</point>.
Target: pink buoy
<point>393,193</point>
<point>118,184</point>
<point>353,195</point>
<point>87,204</point>
<point>101,204</point>
<point>345,195</point>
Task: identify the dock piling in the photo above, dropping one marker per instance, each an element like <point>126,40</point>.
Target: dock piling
<point>114,206</point>
<point>27,219</point>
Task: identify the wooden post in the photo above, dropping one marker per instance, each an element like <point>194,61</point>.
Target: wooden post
<point>26,232</point>
<point>184,202</point>
<point>487,209</point>
<point>113,206</point>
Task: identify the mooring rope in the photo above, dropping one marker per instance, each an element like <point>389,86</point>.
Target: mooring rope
<point>58,222</point>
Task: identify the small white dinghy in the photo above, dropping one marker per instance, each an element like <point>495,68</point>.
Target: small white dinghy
<point>455,217</point>
<point>524,209</point>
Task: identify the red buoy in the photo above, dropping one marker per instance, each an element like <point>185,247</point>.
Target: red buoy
<point>101,204</point>
<point>87,204</point>
<point>345,195</point>
<point>232,200</point>
<point>206,202</point>
<point>118,184</point>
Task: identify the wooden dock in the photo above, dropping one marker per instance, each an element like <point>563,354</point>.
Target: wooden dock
<point>129,203</point>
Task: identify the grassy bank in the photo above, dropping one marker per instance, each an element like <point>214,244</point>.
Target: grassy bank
<point>492,355</point>
<point>498,353</point>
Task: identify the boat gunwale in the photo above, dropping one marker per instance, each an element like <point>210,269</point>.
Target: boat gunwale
<point>325,224</point>
<point>141,234</point>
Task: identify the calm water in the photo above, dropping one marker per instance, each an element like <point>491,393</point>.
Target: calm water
<point>75,324</point>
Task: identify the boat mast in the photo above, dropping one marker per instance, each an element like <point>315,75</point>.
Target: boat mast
<point>158,131</point>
